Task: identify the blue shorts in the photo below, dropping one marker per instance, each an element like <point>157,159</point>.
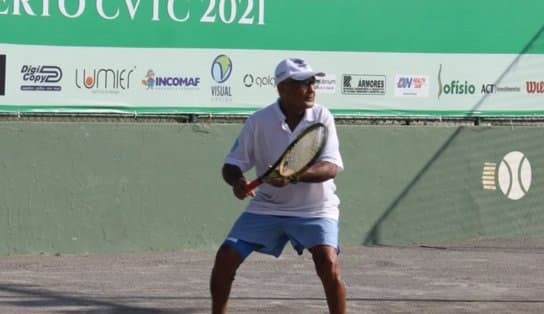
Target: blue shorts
<point>269,234</point>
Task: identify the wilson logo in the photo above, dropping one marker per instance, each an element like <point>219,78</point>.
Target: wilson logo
<point>535,87</point>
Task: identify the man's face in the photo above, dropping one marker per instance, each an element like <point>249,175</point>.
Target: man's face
<point>298,94</point>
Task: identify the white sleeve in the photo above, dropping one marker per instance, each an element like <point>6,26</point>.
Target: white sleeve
<point>241,152</point>
<point>331,151</point>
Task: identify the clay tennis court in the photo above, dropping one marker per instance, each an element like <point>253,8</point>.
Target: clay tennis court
<point>493,276</point>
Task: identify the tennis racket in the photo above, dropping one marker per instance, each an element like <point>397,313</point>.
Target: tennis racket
<point>298,156</point>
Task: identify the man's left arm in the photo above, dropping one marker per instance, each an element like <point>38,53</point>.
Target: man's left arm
<point>319,172</point>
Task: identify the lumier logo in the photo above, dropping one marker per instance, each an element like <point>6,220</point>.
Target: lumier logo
<point>104,79</point>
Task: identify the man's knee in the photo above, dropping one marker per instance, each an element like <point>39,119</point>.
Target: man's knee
<point>326,262</point>
<point>227,259</point>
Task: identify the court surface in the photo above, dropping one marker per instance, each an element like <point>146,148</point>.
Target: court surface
<point>504,276</point>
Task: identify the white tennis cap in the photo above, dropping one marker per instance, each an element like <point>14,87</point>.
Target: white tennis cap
<point>296,69</point>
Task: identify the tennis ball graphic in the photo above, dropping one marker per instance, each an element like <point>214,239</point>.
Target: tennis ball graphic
<point>514,175</point>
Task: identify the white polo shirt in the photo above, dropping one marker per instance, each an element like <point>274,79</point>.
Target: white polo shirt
<point>261,142</point>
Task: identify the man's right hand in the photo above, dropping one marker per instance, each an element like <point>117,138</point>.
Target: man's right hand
<point>240,189</point>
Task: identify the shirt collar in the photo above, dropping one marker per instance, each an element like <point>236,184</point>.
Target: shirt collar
<point>309,115</point>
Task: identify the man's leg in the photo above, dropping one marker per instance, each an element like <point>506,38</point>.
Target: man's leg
<point>328,269</point>
<point>227,261</point>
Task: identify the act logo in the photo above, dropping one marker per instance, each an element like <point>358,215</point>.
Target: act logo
<point>2,75</point>
<point>513,175</point>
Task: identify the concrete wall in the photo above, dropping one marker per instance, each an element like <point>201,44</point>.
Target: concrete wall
<point>76,187</point>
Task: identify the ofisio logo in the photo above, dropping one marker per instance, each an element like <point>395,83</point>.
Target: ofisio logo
<point>455,87</point>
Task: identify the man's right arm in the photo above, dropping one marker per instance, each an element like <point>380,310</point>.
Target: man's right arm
<point>235,178</point>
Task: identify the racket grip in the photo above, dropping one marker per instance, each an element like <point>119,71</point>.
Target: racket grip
<point>253,184</point>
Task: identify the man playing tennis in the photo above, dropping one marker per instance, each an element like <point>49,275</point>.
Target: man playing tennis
<point>302,210</point>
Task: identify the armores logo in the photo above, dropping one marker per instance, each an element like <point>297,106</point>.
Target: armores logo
<point>455,87</point>
<point>2,75</point>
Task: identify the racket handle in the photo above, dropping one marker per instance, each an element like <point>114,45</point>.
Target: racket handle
<point>255,183</point>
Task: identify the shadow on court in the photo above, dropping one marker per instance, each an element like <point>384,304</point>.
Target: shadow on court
<point>472,277</point>
<point>27,299</point>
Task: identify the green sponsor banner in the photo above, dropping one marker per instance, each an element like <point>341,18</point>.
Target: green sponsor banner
<point>382,58</point>
<point>463,26</point>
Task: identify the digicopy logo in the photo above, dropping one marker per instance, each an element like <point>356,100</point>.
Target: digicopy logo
<point>41,78</point>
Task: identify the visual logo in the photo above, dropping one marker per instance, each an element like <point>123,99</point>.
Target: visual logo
<point>411,85</point>
<point>326,84</point>
<point>455,87</point>
<point>221,72</point>
<point>41,78</point>
<point>2,75</point>
<point>251,80</point>
<point>152,81</point>
<point>535,87</point>
<point>513,175</point>
<point>221,68</point>
<point>104,80</point>
<point>361,84</point>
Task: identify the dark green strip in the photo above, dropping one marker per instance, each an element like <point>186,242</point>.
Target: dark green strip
<point>6,109</point>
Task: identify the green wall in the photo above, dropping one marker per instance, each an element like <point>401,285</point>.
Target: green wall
<point>74,187</point>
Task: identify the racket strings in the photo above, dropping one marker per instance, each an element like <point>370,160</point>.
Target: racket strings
<point>303,152</point>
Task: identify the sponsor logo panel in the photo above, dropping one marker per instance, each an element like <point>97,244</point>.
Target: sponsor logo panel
<point>454,87</point>
<point>326,84</point>
<point>159,82</point>
<point>104,80</point>
<point>491,88</point>
<point>43,78</point>
<point>412,85</point>
<point>221,71</point>
<point>534,87</point>
<point>363,84</point>
<point>261,81</point>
